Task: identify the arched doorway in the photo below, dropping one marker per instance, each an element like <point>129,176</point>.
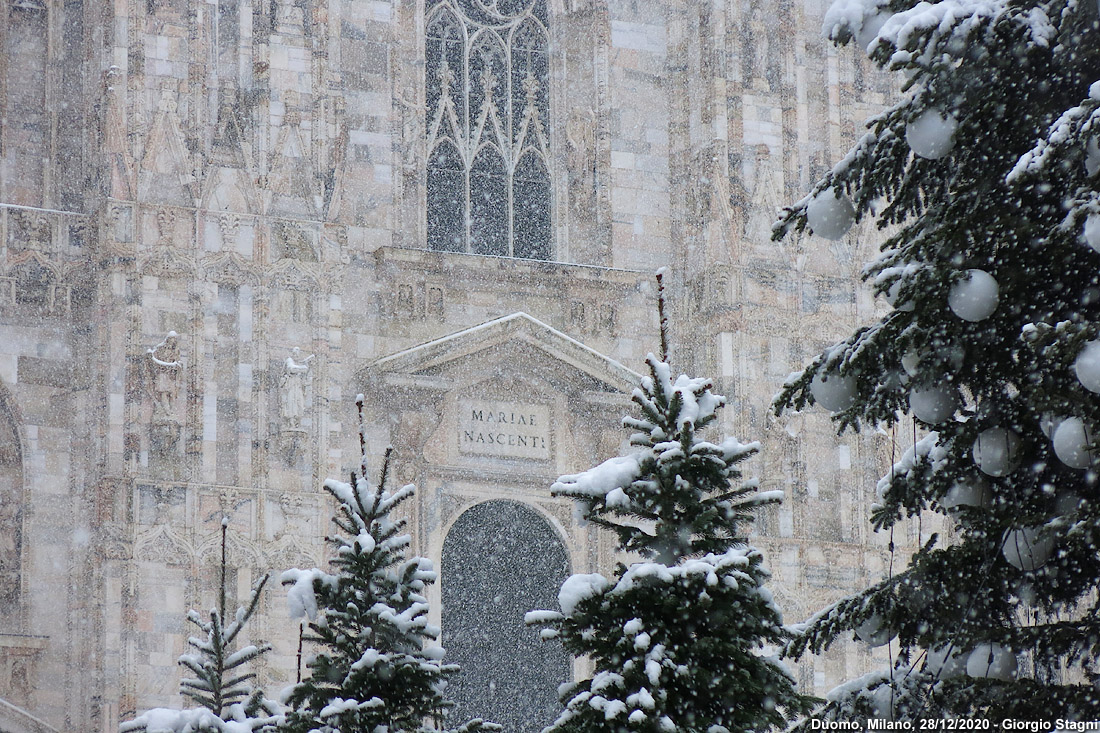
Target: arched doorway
<point>500,560</point>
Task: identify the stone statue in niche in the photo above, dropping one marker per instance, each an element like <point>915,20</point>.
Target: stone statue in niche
<point>293,386</point>
<point>165,367</point>
<point>580,132</point>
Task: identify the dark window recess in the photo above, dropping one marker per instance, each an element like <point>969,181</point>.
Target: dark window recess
<point>446,200</point>
<point>489,204</point>
<point>500,560</point>
<point>530,191</point>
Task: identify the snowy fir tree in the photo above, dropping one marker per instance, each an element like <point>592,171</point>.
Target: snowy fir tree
<point>374,673</point>
<point>677,638</point>
<point>227,703</point>
<point>985,174</point>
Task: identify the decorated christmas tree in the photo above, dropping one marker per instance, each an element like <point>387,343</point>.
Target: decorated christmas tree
<point>679,637</point>
<point>376,671</point>
<point>985,173</point>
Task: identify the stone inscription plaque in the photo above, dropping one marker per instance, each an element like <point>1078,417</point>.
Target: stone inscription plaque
<point>504,429</point>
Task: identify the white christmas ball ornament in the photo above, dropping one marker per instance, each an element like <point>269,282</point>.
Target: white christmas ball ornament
<point>891,297</point>
<point>996,451</point>
<point>934,404</point>
<point>1091,231</point>
<point>910,362</point>
<point>1071,443</point>
<point>829,216</point>
<point>976,493</point>
<point>1026,549</point>
<point>975,297</point>
<point>993,661</point>
<point>873,632</point>
<point>932,134</point>
<point>833,391</point>
<point>945,661</point>
<point>1087,366</point>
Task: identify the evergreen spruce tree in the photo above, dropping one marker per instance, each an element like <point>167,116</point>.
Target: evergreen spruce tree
<point>986,172</point>
<point>677,639</point>
<point>374,673</point>
<point>227,705</point>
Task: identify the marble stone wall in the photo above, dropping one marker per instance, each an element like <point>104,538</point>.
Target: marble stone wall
<point>212,237</point>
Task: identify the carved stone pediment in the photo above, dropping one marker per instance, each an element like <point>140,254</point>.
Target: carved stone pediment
<point>513,399</point>
<point>513,345</point>
<point>166,173</point>
<point>18,720</point>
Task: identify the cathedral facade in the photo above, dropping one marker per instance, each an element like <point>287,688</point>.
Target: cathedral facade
<point>220,220</point>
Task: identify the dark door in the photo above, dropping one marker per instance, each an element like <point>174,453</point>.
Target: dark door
<point>501,560</point>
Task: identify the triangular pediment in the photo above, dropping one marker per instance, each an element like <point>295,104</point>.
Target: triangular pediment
<point>164,545</point>
<point>289,274</point>
<point>229,147</point>
<point>230,189</point>
<point>290,183</point>
<point>166,171</point>
<point>120,162</point>
<point>14,719</point>
<point>512,344</point>
<point>768,198</point>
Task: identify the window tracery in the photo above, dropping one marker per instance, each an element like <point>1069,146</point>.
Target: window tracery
<point>488,116</point>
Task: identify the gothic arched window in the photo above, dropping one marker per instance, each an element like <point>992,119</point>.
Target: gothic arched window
<point>487,77</point>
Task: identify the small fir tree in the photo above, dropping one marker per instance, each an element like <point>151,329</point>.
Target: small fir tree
<point>370,617</point>
<point>988,173</point>
<point>228,705</point>
<point>677,639</point>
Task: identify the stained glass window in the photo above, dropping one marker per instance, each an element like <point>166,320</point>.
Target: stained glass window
<point>488,103</point>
